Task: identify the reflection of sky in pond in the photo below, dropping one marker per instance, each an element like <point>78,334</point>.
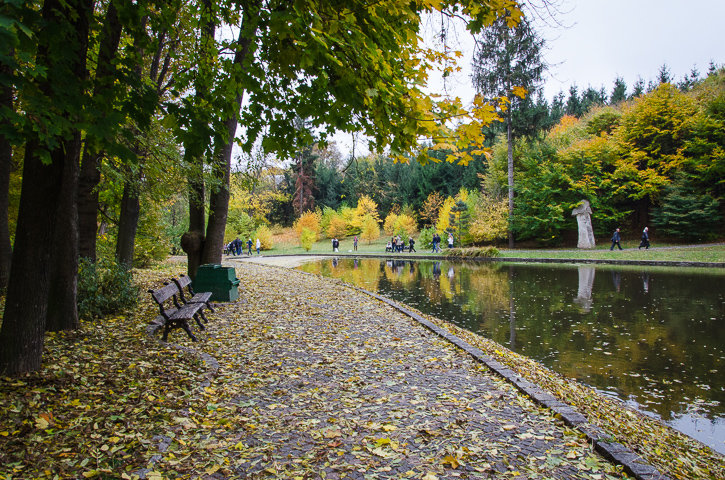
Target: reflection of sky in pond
<point>654,338</point>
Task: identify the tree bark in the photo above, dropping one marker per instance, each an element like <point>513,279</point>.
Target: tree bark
<point>63,290</point>
<point>128,222</point>
<point>6,159</point>
<point>90,175</point>
<point>23,329</point>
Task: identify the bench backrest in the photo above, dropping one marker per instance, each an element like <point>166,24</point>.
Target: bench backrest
<point>181,282</point>
<point>160,295</point>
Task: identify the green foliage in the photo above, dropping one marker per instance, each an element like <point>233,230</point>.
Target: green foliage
<point>459,219</point>
<point>307,238</point>
<point>239,224</point>
<point>686,213</point>
<point>104,288</point>
<point>425,237</point>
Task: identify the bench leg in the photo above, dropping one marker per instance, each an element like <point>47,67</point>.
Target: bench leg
<point>198,321</point>
<point>185,326</point>
<point>167,327</point>
<point>208,305</point>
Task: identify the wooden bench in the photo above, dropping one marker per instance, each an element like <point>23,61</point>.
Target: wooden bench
<point>176,314</point>
<point>184,282</point>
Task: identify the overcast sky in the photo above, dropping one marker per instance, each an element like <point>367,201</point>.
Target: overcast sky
<point>599,40</point>
<point>631,38</point>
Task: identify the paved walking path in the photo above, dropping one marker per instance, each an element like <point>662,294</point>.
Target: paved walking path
<point>328,382</point>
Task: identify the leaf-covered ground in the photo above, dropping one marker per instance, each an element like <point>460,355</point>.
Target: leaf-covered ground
<point>314,380</point>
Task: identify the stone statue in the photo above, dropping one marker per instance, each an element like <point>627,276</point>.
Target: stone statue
<point>583,217</point>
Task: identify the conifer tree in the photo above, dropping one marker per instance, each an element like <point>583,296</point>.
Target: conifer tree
<point>506,58</point>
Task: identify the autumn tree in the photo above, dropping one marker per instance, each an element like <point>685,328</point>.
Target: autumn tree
<point>507,64</point>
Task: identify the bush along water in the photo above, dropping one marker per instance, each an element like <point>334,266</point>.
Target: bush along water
<point>104,288</point>
<point>486,252</point>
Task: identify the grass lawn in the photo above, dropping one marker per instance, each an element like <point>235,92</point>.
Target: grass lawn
<point>287,244</point>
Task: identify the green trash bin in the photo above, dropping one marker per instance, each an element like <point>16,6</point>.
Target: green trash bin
<point>220,281</point>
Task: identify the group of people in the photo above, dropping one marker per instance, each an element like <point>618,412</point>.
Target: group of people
<point>436,242</point>
<point>236,246</point>
<point>396,244</point>
<point>617,237</point>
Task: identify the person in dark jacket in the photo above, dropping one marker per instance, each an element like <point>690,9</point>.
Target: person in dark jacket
<point>645,239</point>
<point>411,242</point>
<point>616,239</point>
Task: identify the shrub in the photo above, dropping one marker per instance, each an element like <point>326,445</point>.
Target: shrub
<point>487,252</point>
<point>307,238</point>
<point>264,234</point>
<point>425,239</point>
<point>104,288</point>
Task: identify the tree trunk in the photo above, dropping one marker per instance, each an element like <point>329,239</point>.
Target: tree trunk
<point>43,193</point>
<point>510,179</point>
<point>23,327</point>
<point>219,199</point>
<point>63,291</point>
<point>6,159</point>
<point>128,222</point>
<point>90,175</point>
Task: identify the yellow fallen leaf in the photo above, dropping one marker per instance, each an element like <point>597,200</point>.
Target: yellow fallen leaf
<point>212,470</point>
<point>430,476</point>
<point>450,460</point>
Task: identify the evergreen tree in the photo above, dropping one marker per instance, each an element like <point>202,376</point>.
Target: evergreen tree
<point>686,213</point>
<point>557,109</point>
<point>507,58</point>
<point>458,219</point>
<point>638,88</point>
<point>573,103</point>
<point>619,92</point>
<point>664,75</point>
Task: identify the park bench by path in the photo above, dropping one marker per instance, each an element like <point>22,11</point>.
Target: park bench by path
<point>175,312</point>
<point>202,297</point>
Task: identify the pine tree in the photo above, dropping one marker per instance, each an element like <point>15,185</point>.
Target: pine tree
<point>506,58</point>
<point>619,93</point>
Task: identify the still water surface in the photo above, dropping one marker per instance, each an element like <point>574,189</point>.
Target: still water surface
<point>653,337</point>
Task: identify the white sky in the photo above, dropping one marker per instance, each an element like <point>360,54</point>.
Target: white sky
<point>598,40</point>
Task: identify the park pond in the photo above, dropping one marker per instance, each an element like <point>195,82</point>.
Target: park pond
<point>653,337</point>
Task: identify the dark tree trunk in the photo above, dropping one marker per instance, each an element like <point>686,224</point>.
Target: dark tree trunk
<point>128,222</point>
<point>219,199</point>
<point>23,329</point>
<point>90,175</point>
<point>6,159</point>
<point>63,292</point>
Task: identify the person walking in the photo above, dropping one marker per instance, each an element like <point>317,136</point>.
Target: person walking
<point>450,240</point>
<point>354,243</point>
<point>259,245</point>
<point>249,246</point>
<point>616,239</point>
<point>645,239</point>
<point>411,242</point>
<point>436,241</point>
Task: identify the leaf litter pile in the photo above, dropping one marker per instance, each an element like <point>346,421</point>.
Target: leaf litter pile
<point>311,380</point>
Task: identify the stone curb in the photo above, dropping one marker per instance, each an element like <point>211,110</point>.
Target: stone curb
<point>650,263</point>
<point>614,452</point>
